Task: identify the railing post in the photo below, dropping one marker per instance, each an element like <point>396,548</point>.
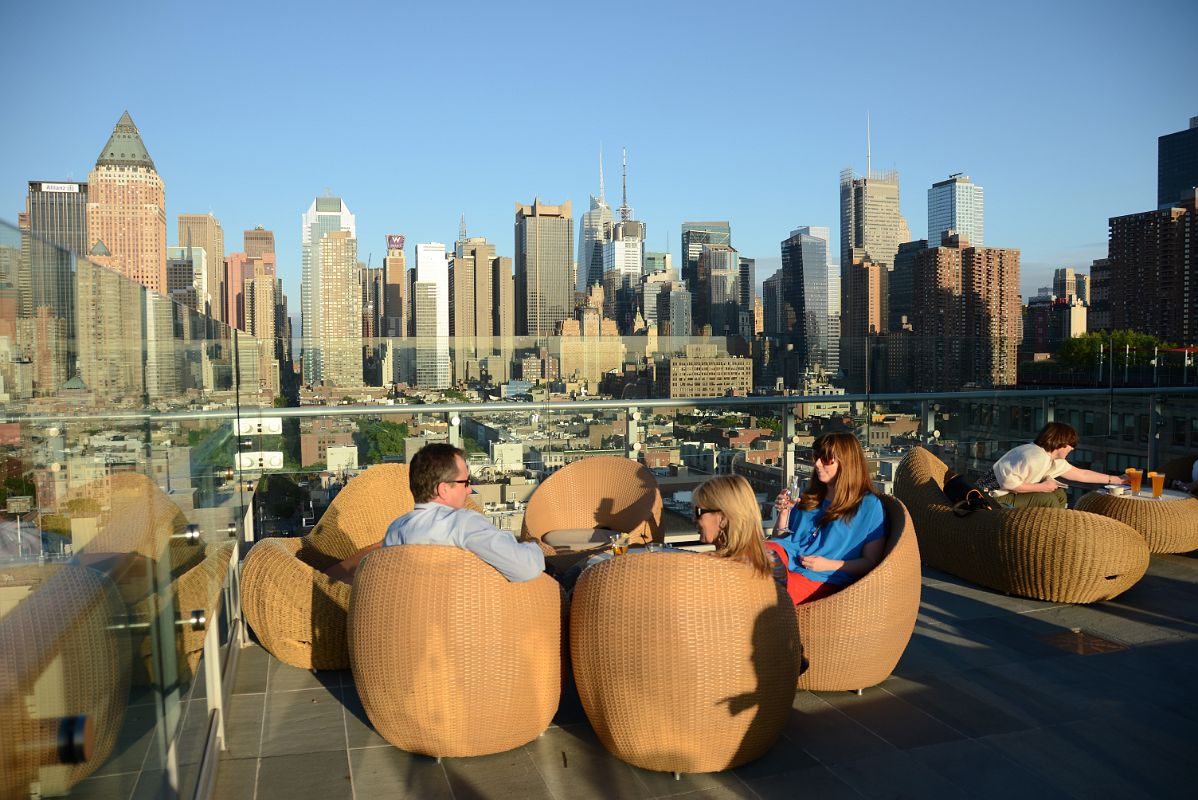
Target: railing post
<point>789,445</point>
<point>455,429</point>
<point>927,416</point>
<point>1156,418</point>
<point>632,442</point>
<point>1050,409</point>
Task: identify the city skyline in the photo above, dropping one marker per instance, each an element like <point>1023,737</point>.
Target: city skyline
<point>775,172</point>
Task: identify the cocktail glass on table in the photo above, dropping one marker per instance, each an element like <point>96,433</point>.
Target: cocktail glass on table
<point>1135,476</point>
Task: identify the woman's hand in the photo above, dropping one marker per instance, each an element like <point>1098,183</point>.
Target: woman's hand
<point>820,564</point>
<point>784,502</point>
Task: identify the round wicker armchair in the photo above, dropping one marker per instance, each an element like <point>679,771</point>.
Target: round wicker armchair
<point>449,657</point>
<point>602,492</point>
<point>1052,554</point>
<point>298,612</point>
<point>683,662</point>
<point>855,638</point>
<point>60,656</point>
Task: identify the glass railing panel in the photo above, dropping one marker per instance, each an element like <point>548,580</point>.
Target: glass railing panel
<point>117,521</point>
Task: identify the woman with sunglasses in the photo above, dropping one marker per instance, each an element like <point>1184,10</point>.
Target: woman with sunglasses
<point>834,532</point>
<point>727,515</point>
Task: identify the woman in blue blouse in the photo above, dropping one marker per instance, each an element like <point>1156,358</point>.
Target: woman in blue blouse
<point>835,532</point>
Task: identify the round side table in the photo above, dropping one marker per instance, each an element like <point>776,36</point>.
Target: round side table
<point>1169,524</point>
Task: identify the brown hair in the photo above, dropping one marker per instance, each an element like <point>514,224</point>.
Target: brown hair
<point>742,539</point>
<point>433,465</point>
<point>852,477</point>
<point>1056,435</point>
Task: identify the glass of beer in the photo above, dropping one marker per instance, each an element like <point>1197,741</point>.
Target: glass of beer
<point>1158,483</point>
<point>619,543</point>
<point>1136,476</point>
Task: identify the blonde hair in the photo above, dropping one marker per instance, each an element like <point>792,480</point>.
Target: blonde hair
<point>852,477</point>
<point>742,537</point>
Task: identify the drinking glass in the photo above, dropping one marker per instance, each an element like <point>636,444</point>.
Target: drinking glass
<point>1136,477</point>
<point>619,543</point>
<point>1158,483</point>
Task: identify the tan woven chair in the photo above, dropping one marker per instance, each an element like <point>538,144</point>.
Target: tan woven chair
<point>683,662</point>
<point>1167,527</point>
<point>60,656</point>
<point>1052,554</point>
<point>297,612</point>
<point>855,638</point>
<point>449,657</point>
<point>601,492</point>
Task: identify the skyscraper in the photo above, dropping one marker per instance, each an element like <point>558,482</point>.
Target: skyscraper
<point>594,229</point>
<point>719,283</point>
<point>479,285</point>
<point>1069,283</point>
<point>58,230</point>
<point>694,236</point>
<point>623,263</point>
<point>126,209</point>
<point>204,232</point>
<point>1176,165</point>
<point>746,295</point>
<point>395,288</point>
<point>871,230</point>
<point>544,256</point>
<point>430,295</point>
<point>966,316</point>
<point>258,242</point>
<point>901,278</point>
<point>339,335</point>
<point>1151,284</point>
<point>325,215</point>
<point>803,315</point>
<point>956,204</point>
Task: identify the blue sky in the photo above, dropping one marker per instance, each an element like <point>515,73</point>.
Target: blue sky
<point>418,115</point>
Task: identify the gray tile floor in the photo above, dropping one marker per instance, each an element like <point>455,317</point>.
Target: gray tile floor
<point>981,706</point>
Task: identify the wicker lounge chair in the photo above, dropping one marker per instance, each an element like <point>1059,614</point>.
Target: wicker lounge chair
<point>600,492</point>
<point>1052,554</point>
<point>60,656</point>
<point>683,662</point>
<point>449,657</point>
<point>298,612</point>
<point>854,638</point>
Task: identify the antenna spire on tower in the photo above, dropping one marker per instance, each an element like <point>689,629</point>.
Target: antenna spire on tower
<point>625,211</point>
<point>462,229</point>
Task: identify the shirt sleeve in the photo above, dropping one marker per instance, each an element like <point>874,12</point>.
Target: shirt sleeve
<point>1059,467</point>
<point>872,519</point>
<point>517,561</point>
<point>1011,470</point>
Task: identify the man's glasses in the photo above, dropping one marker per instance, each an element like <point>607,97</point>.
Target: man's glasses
<point>464,481</point>
<point>701,511</point>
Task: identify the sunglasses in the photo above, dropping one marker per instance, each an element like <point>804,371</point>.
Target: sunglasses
<point>701,511</point>
<point>826,458</point>
<point>464,481</point>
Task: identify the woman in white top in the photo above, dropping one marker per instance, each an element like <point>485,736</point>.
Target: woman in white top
<point>1027,475</point>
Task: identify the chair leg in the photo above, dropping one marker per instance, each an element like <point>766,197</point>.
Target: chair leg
<point>859,692</point>
<point>677,776</point>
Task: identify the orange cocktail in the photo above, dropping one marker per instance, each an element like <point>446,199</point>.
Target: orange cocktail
<point>1158,483</point>
<point>1135,476</point>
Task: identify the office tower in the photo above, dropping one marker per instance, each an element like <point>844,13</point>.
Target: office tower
<point>339,334</point>
<point>395,286</point>
<point>900,283</point>
<point>544,255</point>
<point>773,305</point>
<point>966,316</point>
<point>651,285</point>
<point>57,214</point>
<point>430,295</point>
<point>1069,283</point>
<point>674,312</point>
<point>1051,321</point>
<point>746,293</point>
<point>240,267</point>
<point>758,316</point>
<point>834,306</point>
<point>1153,272</point>
<point>480,284</point>
<point>109,333</point>
<point>203,232</point>
<point>259,291</point>
<point>1176,166</point>
<point>694,236</point>
<point>704,372</point>
<point>956,205</point>
<point>258,242</point>
<point>326,215</point>
<point>623,263</point>
<point>594,230</point>
<point>260,311</point>
<point>370,281</point>
<point>802,318</point>
<point>719,283</point>
<point>871,230</point>
<point>126,209</point>
<point>187,278</point>
<point>589,345</point>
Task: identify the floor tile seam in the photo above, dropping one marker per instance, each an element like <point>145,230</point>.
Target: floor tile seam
<point>445,777</point>
<point>349,770</point>
<point>926,713</point>
<point>537,769</point>
<point>850,719</point>
<point>1043,778</point>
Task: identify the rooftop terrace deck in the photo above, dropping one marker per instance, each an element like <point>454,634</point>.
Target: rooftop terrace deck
<point>993,698</point>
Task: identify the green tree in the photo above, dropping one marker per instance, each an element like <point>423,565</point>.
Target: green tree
<point>379,438</point>
<point>1082,352</point>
